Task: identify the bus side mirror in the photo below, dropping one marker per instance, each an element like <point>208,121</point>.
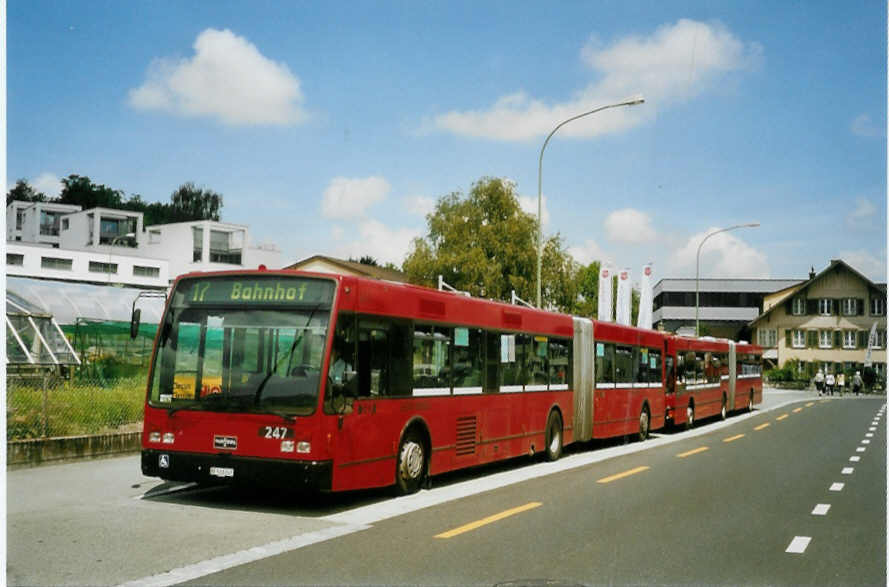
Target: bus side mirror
<point>134,322</point>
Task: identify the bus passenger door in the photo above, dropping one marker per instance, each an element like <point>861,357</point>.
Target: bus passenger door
<point>362,452</point>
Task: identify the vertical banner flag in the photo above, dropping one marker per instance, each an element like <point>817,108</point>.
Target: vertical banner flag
<point>606,279</point>
<point>871,343</point>
<point>645,301</point>
<point>624,298</point>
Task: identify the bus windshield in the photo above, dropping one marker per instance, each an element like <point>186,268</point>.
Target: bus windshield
<point>245,345</point>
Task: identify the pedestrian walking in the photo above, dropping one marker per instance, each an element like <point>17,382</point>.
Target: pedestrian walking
<point>830,381</point>
<point>841,383</point>
<point>857,383</point>
<point>819,381</point>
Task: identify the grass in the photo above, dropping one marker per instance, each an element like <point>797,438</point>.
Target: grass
<point>73,408</point>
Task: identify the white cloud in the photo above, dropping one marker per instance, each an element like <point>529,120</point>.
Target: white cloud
<point>629,226</point>
<point>528,204</point>
<point>723,256</point>
<point>676,62</point>
<point>419,205</point>
<point>347,198</point>
<point>863,126</point>
<point>227,79</point>
<point>49,184</point>
<point>380,242</point>
<point>867,262</point>
<point>588,252</point>
<point>863,215</point>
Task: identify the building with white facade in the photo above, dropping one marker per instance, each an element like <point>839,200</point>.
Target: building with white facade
<point>106,246</point>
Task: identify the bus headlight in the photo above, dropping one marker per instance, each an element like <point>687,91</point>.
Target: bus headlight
<point>169,438</point>
<point>304,447</point>
<point>154,437</point>
<point>286,446</point>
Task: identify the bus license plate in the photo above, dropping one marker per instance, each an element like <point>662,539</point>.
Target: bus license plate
<point>222,472</point>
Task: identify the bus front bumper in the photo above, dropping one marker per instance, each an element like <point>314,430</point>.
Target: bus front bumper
<point>226,468</point>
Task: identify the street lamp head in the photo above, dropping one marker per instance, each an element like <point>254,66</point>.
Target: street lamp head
<point>634,100</point>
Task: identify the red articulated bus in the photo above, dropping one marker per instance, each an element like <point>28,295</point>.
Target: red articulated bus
<point>708,377</point>
<point>336,383</point>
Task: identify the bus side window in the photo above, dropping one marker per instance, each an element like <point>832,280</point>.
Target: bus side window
<point>512,359</point>
<point>373,358</point>
<point>654,366</point>
<point>559,362</point>
<point>604,363</point>
<point>468,357</point>
<point>640,355</point>
<point>623,364</point>
<point>537,361</point>
<point>432,357</point>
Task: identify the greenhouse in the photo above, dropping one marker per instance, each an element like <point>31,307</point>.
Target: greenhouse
<point>59,325</point>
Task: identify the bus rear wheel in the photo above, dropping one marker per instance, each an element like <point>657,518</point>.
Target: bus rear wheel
<point>553,436</point>
<point>644,423</point>
<point>411,463</point>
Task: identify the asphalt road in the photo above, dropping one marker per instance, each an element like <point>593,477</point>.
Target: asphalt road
<point>721,504</point>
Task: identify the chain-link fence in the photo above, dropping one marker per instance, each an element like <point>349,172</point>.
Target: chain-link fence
<point>47,405</point>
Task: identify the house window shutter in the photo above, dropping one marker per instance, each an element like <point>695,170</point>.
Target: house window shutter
<point>789,340</point>
<point>837,339</point>
<point>812,339</point>
<point>861,304</point>
<point>812,306</point>
<point>862,339</point>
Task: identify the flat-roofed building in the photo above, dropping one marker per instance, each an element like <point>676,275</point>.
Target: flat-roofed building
<point>725,308</point>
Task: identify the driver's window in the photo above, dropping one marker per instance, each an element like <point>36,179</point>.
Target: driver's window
<point>341,372</point>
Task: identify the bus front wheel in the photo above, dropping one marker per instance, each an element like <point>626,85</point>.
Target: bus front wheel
<point>411,463</point>
<point>553,436</point>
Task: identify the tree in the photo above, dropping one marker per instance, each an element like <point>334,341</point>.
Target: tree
<point>80,190</point>
<point>189,202</point>
<point>485,244</point>
<point>23,192</point>
<point>587,284</point>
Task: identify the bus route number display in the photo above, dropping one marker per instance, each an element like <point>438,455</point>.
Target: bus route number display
<point>256,291</point>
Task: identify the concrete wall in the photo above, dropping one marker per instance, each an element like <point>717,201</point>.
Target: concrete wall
<point>30,453</point>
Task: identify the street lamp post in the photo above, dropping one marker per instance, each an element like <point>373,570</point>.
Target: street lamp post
<point>698,266</point>
<point>629,102</point>
<point>111,249</point>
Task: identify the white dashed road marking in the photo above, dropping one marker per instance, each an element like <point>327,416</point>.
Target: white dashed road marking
<point>848,470</point>
<point>799,544</point>
<point>854,459</point>
<point>821,509</point>
<point>837,486</point>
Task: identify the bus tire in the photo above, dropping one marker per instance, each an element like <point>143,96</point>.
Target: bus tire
<point>724,411</point>
<point>553,436</point>
<point>411,469</point>
<point>644,423</point>
<point>689,416</point>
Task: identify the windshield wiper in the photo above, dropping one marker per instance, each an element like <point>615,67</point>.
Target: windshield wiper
<point>289,418</point>
<point>173,410</point>
<point>296,341</point>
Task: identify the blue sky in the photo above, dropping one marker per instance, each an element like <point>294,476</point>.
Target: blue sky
<point>331,128</point>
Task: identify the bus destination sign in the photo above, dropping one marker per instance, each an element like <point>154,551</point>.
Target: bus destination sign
<point>255,291</point>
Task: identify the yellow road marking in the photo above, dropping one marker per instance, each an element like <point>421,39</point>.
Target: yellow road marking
<point>797,410</point>
<point>693,452</point>
<point>733,438</point>
<point>781,417</point>
<point>810,404</point>
<point>761,426</point>
<point>622,475</point>
<point>489,520</point>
